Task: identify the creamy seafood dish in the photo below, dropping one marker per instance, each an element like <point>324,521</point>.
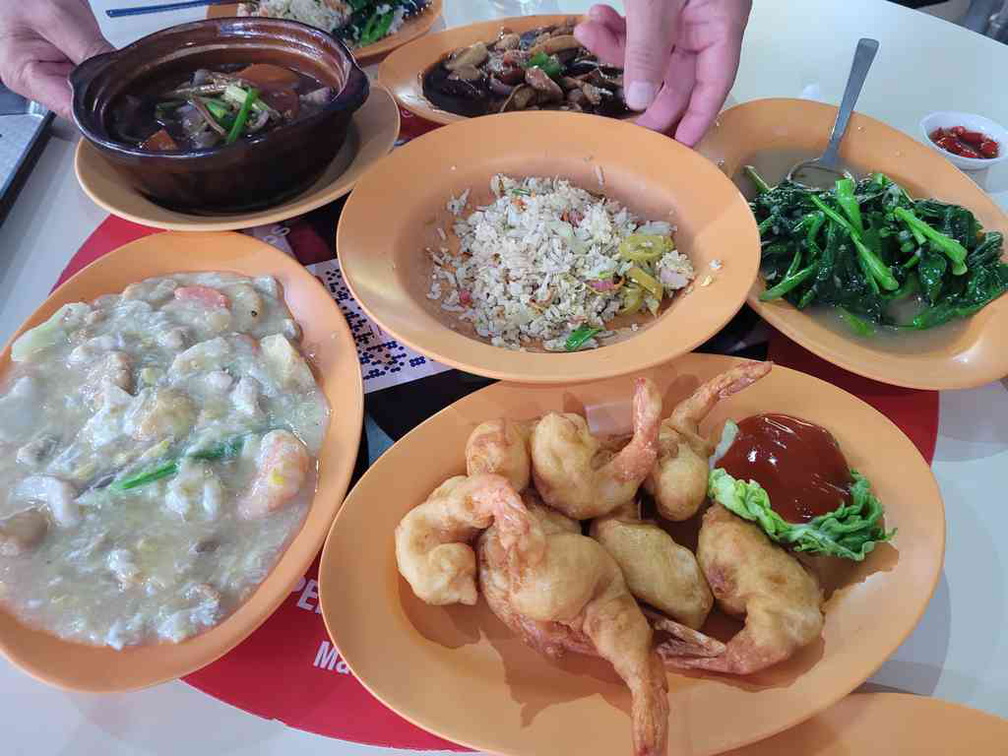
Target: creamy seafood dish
<point>157,454</point>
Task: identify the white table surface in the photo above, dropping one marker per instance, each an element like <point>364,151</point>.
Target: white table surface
<point>793,48</point>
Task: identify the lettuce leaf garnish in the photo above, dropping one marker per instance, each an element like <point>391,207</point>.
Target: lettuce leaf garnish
<point>850,531</point>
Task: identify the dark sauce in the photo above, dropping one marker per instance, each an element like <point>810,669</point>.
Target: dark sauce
<point>798,463</point>
<point>159,119</point>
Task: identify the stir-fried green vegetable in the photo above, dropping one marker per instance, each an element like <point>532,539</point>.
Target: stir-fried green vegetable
<point>865,245</point>
<point>224,450</point>
<point>850,531</point>
<point>371,20</point>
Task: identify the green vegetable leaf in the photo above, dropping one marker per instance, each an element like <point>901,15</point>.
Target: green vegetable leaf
<point>931,272</point>
<point>850,531</point>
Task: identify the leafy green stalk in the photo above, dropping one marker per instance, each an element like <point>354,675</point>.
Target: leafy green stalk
<point>876,269</point>
<point>762,187</point>
<point>848,202</point>
<point>850,531</point>
<point>788,283</point>
<point>955,251</point>
<point>857,324</point>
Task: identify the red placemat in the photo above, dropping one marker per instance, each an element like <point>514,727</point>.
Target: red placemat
<point>288,669</point>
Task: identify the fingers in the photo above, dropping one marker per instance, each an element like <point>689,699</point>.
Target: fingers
<point>602,42</point>
<point>668,106</point>
<point>604,34</point>
<point>716,67</point>
<point>608,16</point>
<point>650,32</point>
<point>45,82</point>
<point>71,27</point>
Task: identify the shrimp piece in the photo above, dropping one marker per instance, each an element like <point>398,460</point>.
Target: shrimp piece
<point>501,447</point>
<point>657,570</point>
<point>203,295</point>
<point>58,496</point>
<point>282,467</point>
<point>678,481</point>
<point>575,474</point>
<point>564,592</point>
<point>432,540</point>
<point>551,639</point>
<point>751,576</point>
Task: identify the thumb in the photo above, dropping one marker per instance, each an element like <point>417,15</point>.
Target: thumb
<point>651,26</point>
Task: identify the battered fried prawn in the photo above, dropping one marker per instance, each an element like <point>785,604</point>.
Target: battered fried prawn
<point>755,578</point>
<point>432,540</point>
<point>501,447</point>
<point>576,474</point>
<point>552,639</point>
<point>678,481</point>
<point>657,570</point>
<point>562,591</point>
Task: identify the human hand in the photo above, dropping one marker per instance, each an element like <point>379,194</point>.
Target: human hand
<point>679,58</point>
<point>40,43</point>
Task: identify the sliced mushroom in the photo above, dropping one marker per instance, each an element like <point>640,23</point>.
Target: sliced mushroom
<point>539,80</point>
<point>474,55</point>
<point>568,83</point>
<point>519,99</point>
<point>467,73</point>
<point>576,97</point>
<point>508,41</point>
<point>539,39</point>
<point>594,94</point>
<point>499,88</point>
<point>553,45</point>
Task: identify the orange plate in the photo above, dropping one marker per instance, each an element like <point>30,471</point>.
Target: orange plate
<point>897,723</point>
<point>373,131</point>
<point>411,28</point>
<point>388,222</point>
<point>517,702</point>
<point>334,356</point>
<point>977,354</point>
<point>402,71</point>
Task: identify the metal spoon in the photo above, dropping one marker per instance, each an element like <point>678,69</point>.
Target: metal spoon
<point>822,172</point>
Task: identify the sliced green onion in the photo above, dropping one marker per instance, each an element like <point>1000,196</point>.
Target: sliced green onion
<point>579,336</point>
<point>242,119</point>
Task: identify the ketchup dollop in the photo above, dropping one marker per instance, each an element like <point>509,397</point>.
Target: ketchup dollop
<point>799,464</point>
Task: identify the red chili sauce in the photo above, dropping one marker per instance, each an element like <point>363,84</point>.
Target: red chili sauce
<point>799,464</point>
<point>961,141</point>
